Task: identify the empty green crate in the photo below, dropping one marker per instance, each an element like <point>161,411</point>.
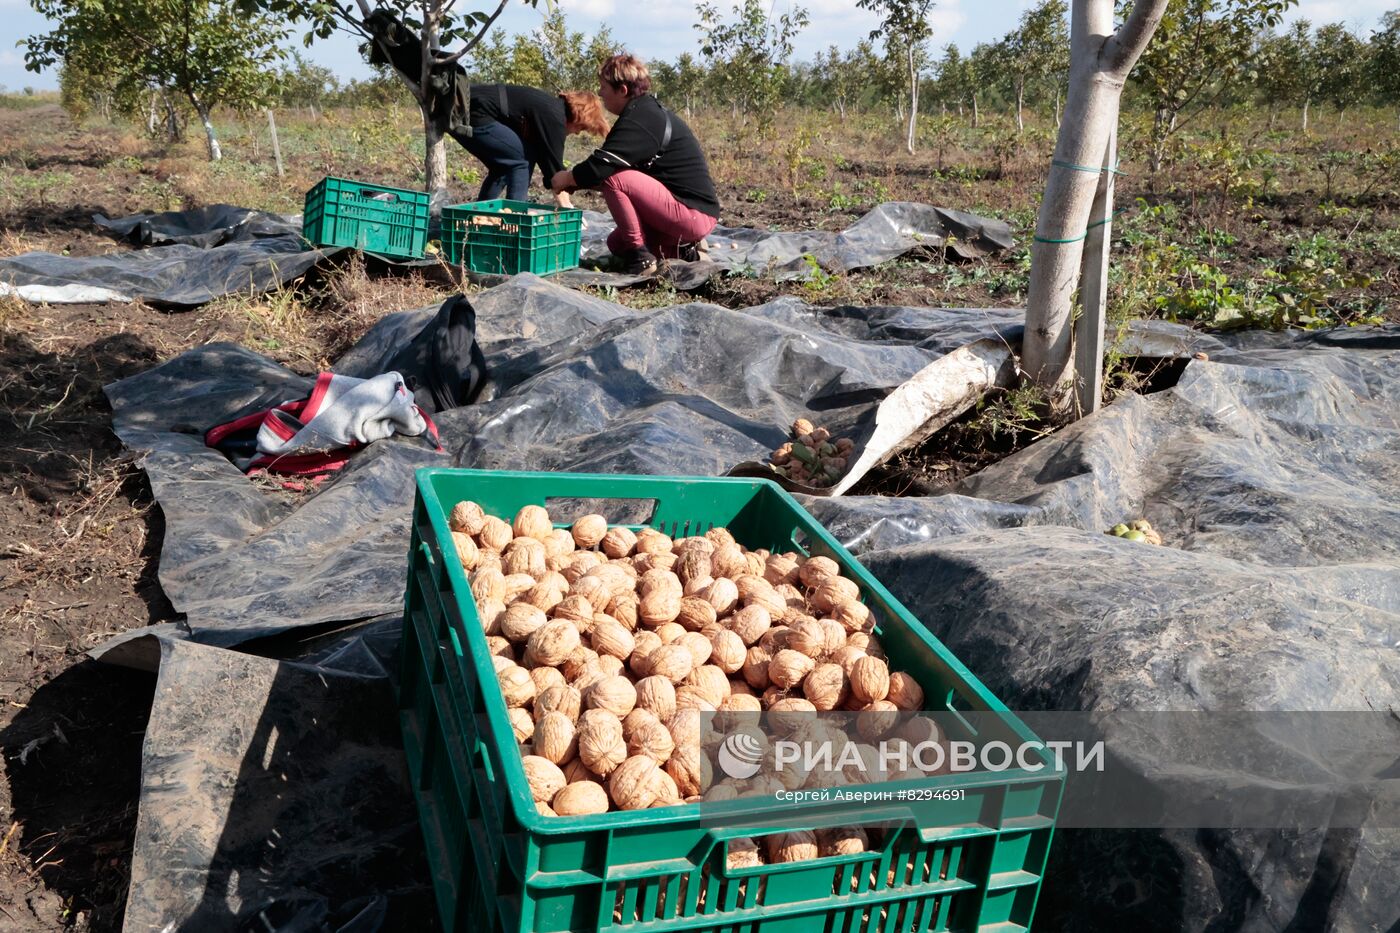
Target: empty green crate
<point>505,237</point>
<point>392,222</point>
<point>498,864</point>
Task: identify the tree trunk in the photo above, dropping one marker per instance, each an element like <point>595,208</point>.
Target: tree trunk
<point>172,118</point>
<point>151,117</point>
<point>1157,150</point>
<point>215,153</point>
<point>1101,59</point>
<point>1057,108</point>
<point>1020,103</point>
<point>1306,103</point>
<point>976,117</point>
<point>434,157</point>
<point>913,100</point>
<point>1273,116</point>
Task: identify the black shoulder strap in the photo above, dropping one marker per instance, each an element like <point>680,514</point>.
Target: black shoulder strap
<point>505,106</point>
<point>666,133</point>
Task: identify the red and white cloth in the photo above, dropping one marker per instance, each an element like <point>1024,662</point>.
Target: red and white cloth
<point>319,433</point>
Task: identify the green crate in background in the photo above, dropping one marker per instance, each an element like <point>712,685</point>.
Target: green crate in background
<point>505,237</point>
<point>392,222</point>
<point>499,865</point>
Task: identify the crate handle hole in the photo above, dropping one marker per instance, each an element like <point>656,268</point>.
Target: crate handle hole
<point>566,510</point>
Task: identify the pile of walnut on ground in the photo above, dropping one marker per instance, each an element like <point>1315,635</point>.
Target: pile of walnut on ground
<point>608,643</point>
<point>812,457</point>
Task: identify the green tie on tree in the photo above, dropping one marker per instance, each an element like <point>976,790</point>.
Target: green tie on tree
<point>202,50</point>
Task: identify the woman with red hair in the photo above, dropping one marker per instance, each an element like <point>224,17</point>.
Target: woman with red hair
<point>515,128</point>
<point>651,171</point>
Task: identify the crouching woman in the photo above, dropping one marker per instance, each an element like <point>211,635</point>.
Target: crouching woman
<point>651,172</point>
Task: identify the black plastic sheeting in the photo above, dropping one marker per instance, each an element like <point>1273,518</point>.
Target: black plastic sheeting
<point>198,256</point>
<point>204,253</point>
<point>1272,470</point>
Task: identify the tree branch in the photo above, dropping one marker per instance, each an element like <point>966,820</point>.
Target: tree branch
<point>486,27</point>
<point>1124,47</point>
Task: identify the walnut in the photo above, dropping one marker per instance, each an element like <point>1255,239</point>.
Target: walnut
<point>559,543</point>
<point>657,695</point>
<point>870,679</point>
<point>552,643</point>
<point>729,561</point>
<point>742,853</point>
<point>555,738</point>
<point>516,685</point>
<point>579,564</point>
<point>633,784</point>
<point>660,606</point>
<point>670,632</point>
<point>825,686</point>
<point>853,616</point>
<point>799,845</point>
<point>755,669</point>
<point>905,692</point>
<point>619,542</point>
<point>723,594</point>
<point>517,584</point>
<point>546,677</point>
<point>466,517</point>
<point>788,667</point>
<point>673,662</point>
<point>544,776</point>
<point>750,623</point>
<point>532,521</point>
<point>841,840</point>
<point>582,660</point>
<point>495,534</point>
<point>643,644</point>
<point>728,649</point>
<point>693,565</point>
<point>490,611</point>
<point>833,591</point>
<point>601,746</point>
<point>589,530</point>
<point>720,537</point>
<point>690,769</point>
<point>522,620</point>
<point>625,608</point>
<point>581,798</point>
<point>467,553</point>
<point>694,613</point>
<point>711,682</point>
<point>610,666</point>
<point>559,698</point>
<point>487,583</point>
<point>808,637</point>
<point>780,568</point>
<point>609,637</point>
<point>614,694</point>
<point>524,555</point>
<point>817,570</point>
<point>520,723</point>
<point>693,698</point>
<point>877,720</point>
<point>575,609</point>
<point>648,736</point>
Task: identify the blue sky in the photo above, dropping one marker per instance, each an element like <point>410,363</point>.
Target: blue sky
<point>664,28</point>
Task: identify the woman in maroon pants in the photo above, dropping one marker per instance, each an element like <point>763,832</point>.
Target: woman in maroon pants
<point>651,172</point>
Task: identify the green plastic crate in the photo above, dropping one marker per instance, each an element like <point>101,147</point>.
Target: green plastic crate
<point>392,222</point>
<point>498,864</point>
<point>505,237</point>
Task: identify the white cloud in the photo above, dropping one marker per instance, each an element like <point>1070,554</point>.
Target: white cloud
<point>9,58</point>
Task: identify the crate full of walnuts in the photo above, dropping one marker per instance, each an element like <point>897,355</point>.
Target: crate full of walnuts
<point>580,653</point>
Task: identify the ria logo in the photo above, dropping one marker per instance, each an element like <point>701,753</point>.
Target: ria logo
<point>740,755</point>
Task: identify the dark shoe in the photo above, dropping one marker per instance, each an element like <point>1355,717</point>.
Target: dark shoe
<point>638,262</point>
<point>694,252</point>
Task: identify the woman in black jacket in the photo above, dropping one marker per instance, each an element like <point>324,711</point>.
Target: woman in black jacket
<point>516,128</point>
<point>651,171</point>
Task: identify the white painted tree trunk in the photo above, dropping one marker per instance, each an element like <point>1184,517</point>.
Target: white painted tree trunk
<point>913,100</point>
<point>1020,106</point>
<point>215,152</point>
<point>1100,60</point>
<point>1093,289</point>
<point>1306,104</point>
<point>976,116</point>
